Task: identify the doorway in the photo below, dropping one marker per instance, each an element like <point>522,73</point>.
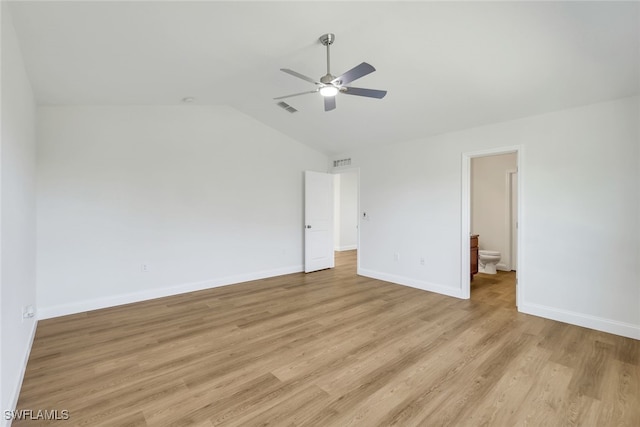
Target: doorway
<point>491,207</point>
<point>346,208</point>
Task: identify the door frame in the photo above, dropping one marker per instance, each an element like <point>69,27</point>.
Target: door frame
<point>465,228</point>
<point>508,227</point>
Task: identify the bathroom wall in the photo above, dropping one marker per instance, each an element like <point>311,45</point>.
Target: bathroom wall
<point>490,202</point>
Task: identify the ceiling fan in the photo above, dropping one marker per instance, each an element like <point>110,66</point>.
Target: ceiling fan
<point>329,86</point>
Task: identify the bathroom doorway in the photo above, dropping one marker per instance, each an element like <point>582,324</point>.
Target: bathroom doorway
<point>491,201</point>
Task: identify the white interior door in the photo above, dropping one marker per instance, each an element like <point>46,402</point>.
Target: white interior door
<point>514,221</point>
<point>318,217</point>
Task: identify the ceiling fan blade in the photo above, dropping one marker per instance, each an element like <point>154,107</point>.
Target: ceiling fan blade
<point>329,103</point>
<point>371,93</point>
<point>300,76</point>
<point>354,73</point>
<point>297,94</point>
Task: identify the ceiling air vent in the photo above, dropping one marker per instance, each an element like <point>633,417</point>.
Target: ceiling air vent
<point>287,107</point>
<point>341,162</point>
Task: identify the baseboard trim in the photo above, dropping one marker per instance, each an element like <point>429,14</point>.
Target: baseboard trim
<point>346,248</point>
<point>115,300</point>
<point>413,283</point>
<point>13,400</point>
<point>592,322</point>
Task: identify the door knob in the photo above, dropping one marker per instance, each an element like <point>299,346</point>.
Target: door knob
<point>308,226</point>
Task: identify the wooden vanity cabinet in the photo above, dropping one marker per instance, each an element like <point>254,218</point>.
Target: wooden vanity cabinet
<point>474,255</point>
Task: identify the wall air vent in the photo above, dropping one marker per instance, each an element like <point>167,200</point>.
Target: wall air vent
<point>287,107</point>
<point>341,162</point>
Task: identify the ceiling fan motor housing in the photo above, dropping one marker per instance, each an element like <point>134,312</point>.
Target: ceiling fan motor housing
<point>327,79</point>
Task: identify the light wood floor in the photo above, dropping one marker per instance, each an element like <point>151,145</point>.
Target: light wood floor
<point>331,349</point>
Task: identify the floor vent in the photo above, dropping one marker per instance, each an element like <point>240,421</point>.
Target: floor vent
<point>287,107</point>
<point>341,162</point>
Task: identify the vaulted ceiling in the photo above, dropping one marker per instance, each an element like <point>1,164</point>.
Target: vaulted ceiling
<point>446,65</point>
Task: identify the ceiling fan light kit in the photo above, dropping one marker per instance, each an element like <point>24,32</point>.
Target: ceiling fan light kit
<point>329,86</point>
<point>329,91</point>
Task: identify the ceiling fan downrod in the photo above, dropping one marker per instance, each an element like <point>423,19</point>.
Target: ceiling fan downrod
<point>327,40</point>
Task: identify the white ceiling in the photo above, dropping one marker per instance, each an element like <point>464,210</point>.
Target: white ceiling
<point>446,65</point>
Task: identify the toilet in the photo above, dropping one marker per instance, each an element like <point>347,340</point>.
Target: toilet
<point>487,261</point>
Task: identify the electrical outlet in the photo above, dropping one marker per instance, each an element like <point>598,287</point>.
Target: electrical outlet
<point>422,261</point>
<point>28,312</point>
<point>396,256</point>
<point>144,268</point>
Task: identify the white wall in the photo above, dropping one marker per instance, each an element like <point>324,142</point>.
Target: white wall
<point>17,216</point>
<point>490,217</point>
<point>203,196</point>
<point>346,211</point>
<point>580,195</point>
